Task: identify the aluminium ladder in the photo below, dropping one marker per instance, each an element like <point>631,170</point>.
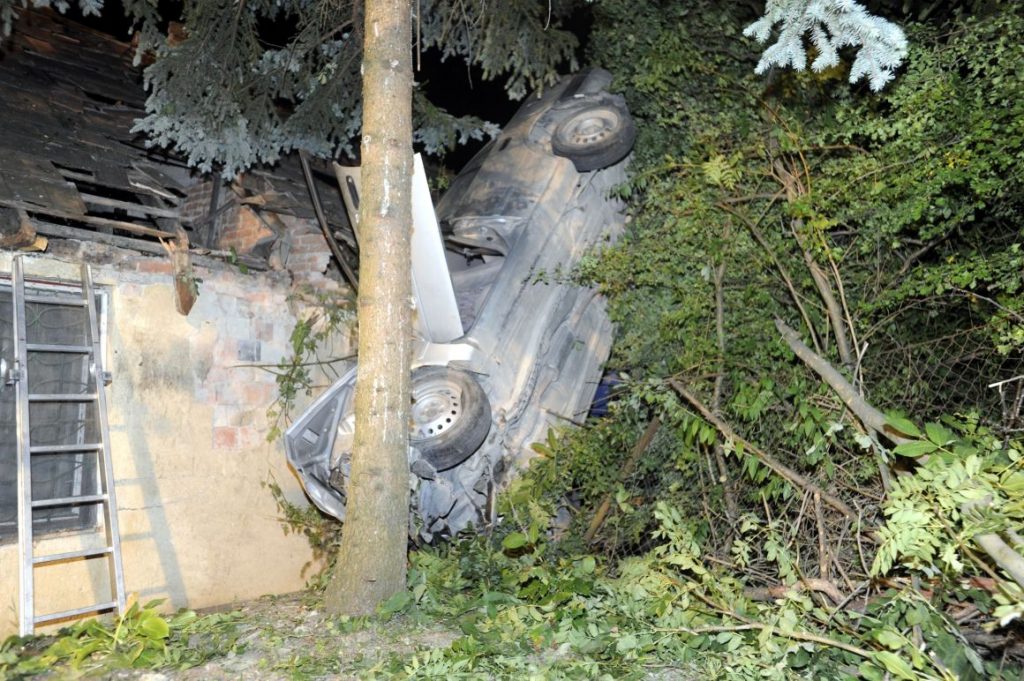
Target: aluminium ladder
<point>27,452</point>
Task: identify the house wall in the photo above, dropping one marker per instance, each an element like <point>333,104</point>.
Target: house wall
<point>188,425</point>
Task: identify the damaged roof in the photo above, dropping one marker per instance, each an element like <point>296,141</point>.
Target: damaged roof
<point>72,168</point>
<point>68,99</point>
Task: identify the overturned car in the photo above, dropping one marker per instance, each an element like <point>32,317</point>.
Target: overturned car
<point>505,346</point>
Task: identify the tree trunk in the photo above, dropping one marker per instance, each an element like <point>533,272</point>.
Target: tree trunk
<point>372,557</point>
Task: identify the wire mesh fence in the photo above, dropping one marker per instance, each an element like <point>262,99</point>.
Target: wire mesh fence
<point>940,357</point>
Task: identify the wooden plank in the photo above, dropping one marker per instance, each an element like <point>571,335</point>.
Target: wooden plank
<point>139,208</point>
<point>216,260</point>
<point>79,234</point>
<point>144,182</point>
<point>90,178</point>
<point>89,219</point>
<point>30,182</point>
<point>156,174</point>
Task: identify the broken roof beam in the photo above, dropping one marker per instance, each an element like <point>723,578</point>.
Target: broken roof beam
<point>129,227</point>
<point>139,210</point>
<point>137,187</point>
<point>202,257</point>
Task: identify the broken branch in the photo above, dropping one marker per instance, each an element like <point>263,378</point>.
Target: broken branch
<point>771,462</point>
<point>868,415</point>
<point>809,584</point>
<point>634,458</point>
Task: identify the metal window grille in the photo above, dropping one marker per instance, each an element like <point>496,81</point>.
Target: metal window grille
<point>58,475</point>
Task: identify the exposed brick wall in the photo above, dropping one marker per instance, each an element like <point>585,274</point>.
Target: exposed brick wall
<point>254,323</point>
<point>247,321</point>
<point>196,206</point>
<point>241,230</point>
<point>294,244</point>
<point>306,255</point>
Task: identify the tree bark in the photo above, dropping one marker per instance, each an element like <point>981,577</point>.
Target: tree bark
<point>372,557</point>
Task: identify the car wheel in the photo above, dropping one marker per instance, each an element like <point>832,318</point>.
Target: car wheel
<point>450,415</point>
<point>595,135</point>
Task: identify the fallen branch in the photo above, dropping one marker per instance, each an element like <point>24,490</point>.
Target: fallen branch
<point>1004,556</point>
<point>790,634</point>
<point>832,308</point>
<point>998,550</point>
<point>752,625</point>
<point>786,277</point>
<point>868,415</point>
<point>771,462</point>
<point>732,512</point>
<point>634,458</point>
<point>809,584</point>
<point>991,543</point>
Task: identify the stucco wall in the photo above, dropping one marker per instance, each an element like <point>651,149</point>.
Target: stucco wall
<point>187,413</point>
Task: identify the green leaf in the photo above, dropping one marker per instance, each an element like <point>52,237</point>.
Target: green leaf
<point>541,449</point>
<point>916,616</point>
<point>915,448</point>
<point>397,603</point>
<point>514,541</point>
<point>937,434</point>
<point>890,639</point>
<point>626,643</point>
<point>902,425</point>
<point>871,672</point>
<point>895,665</point>
<point>153,626</point>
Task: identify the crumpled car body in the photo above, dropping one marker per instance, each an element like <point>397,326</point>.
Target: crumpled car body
<point>526,348</point>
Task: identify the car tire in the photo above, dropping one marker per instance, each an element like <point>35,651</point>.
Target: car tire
<point>595,135</point>
<point>450,415</point>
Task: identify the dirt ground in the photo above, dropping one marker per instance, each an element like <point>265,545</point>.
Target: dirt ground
<point>286,638</point>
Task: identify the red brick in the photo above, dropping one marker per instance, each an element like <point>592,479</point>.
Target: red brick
<point>155,266</point>
<point>225,437</point>
<point>309,242</point>
<point>241,229</point>
<point>257,394</point>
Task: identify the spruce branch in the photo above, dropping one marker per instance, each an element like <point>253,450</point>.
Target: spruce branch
<point>831,25</point>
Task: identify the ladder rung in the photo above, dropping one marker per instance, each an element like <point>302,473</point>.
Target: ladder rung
<point>86,347</point>
<point>48,347</point>
<point>81,553</point>
<point>62,397</point>
<point>70,501</point>
<point>60,449</point>
<point>54,300</point>
<point>64,614</point>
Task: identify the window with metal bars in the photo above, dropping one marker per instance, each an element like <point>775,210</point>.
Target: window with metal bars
<point>62,474</point>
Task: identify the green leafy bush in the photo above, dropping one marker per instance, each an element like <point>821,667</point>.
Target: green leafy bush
<point>140,639</point>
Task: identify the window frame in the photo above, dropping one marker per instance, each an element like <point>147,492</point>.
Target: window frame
<point>83,518</point>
